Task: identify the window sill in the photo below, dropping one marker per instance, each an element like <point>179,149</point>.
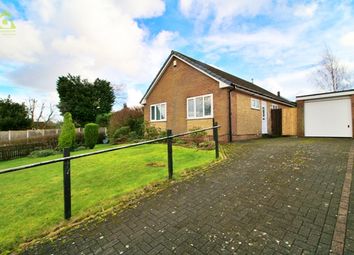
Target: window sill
<point>200,118</point>
<point>152,121</point>
<point>258,109</point>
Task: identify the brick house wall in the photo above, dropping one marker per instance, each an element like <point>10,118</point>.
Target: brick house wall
<point>177,83</point>
<point>247,122</point>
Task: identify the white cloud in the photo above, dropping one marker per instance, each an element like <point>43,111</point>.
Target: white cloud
<point>262,43</point>
<point>277,43</point>
<point>222,11</point>
<point>88,38</point>
<point>133,97</point>
<point>307,11</point>
<point>348,39</point>
<point>22,45</point>
<point>291,84</point>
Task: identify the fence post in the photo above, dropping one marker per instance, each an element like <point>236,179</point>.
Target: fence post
<point>67,185</point>
<point>216,139</point>
<point>169,154</point>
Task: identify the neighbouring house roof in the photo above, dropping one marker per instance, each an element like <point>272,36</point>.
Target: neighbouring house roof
<point>225,79</point>
<point>341,93</point>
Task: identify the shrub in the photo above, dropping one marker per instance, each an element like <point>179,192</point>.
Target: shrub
<point>162,133</point>
<point>133,135</point>
<point>68,135</point>
<point>91,135</point>
<point>121,134</point>
<point>198,137</point>
<point>131,117</point>
<point>179,141</point>
<point>42,153</point>
<point>103,119</point>
<point>207,145</point>
<point>152,132</point>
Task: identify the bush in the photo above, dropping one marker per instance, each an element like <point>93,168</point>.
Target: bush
<point>198,137</point>
<point>208,145</point>
<point>152,132</point>
<point>133,136</point>
<point>121,134</point>
<point>162,133</point>
<point>42,153</point>
<point>103,119</point>
<point>130,117</point>
<point>68,135</point>
<point>179,141</point>
<point>91,135</point>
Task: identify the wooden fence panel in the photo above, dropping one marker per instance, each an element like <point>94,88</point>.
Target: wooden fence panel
<point>289,121</point>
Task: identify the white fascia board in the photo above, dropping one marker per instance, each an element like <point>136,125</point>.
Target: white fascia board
<point>327,95</point>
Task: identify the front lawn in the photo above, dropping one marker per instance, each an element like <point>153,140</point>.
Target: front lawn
<point>31,201</point>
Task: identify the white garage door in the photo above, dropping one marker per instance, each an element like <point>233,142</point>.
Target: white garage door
<point>328,118</point>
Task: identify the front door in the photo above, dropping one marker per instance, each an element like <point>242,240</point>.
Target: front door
<point>264,118</point>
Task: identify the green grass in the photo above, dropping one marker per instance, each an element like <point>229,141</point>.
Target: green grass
<point>31,201</point>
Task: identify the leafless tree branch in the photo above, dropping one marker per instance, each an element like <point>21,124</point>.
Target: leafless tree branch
<point>331,74</point>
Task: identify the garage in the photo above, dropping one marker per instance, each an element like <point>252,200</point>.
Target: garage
<point>327,114</point>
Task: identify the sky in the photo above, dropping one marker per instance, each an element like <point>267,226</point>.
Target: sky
<point>278,44</point>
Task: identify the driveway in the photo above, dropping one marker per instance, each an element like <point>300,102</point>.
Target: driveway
<point>271,196</point>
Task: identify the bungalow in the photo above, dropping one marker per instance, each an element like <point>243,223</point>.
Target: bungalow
<point>187,93</point>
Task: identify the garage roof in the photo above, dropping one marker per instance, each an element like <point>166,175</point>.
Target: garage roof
<point>348,92</point>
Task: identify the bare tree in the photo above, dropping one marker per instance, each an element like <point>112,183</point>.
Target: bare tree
<point>31,106</point>
<point>50,115</point>
<point>331,75</point>
<point>42,114</point>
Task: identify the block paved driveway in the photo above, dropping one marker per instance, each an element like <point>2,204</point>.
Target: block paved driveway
<point>271,196</point>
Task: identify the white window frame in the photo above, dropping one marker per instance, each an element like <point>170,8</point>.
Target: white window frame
<point>274,106</point>
<point>195,107</point>
<point>254,106</point>
<point>155,105</point>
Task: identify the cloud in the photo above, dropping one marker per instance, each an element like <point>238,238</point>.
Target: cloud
<point>222,11</point>
<point>133,97</point>
<point>13,47</point>
<point>277,43</point>
<point>88,38</point>
<point>291,84</point>
<point>262,43</point>
<point>307,11</point>
<point>347,39</point>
